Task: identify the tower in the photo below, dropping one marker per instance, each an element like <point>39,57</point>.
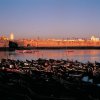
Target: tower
<point>11,36</point>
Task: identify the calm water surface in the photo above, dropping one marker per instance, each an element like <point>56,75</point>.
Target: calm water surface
<point>80,55</point>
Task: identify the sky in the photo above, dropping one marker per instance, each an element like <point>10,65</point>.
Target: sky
<point>50,18</point>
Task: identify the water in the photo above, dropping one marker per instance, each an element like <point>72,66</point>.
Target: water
<point>80,55</point>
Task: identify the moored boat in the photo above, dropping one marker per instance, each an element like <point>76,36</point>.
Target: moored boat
<point>24,51</point>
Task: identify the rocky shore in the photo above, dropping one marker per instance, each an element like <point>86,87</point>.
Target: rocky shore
<point>49,79</point>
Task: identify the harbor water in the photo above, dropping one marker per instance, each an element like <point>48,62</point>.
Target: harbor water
<point>80,55</point>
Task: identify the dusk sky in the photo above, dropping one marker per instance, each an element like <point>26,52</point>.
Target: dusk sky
<point>50,18</point>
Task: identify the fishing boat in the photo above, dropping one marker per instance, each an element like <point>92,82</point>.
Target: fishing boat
<point>69,51</point>
<point>24,51</point>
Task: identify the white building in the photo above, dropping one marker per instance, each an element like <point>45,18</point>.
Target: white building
<point>93,38</point>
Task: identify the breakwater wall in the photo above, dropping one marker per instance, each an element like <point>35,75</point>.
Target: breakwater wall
<point>57,47</point>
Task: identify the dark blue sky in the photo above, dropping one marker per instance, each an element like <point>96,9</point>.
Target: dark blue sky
<point>50,18</point>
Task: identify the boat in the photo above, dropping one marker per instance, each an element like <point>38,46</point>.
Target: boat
<point>70,51</point>
<point>24,51</point>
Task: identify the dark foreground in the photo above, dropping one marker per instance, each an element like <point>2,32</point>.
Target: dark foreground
<point>49,79</point>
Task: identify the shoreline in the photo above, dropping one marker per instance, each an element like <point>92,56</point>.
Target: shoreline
<point>49,48</point>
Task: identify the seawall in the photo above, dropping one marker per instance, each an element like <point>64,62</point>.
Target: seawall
<point>63,47</point>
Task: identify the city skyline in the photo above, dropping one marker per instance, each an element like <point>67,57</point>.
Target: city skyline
<point>50,18</point>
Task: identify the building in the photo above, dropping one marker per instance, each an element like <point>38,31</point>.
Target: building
<point>93,38</point>
<point>11,36</point>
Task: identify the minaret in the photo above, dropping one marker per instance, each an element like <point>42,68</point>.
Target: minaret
<point>11,36</point>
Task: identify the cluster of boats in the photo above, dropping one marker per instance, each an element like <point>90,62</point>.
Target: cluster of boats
<point>49,79</point>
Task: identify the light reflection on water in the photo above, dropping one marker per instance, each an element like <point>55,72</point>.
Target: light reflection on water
<point>80,55</point>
